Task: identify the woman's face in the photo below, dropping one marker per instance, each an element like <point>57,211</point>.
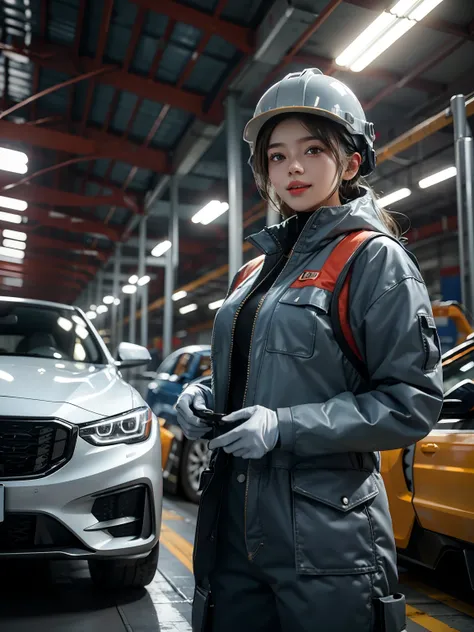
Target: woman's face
<point>302,170</point>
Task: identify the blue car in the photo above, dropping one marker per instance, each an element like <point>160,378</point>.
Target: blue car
<point>187,459</point>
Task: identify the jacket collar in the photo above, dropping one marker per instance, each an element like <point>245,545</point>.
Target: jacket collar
<point>324,225</point>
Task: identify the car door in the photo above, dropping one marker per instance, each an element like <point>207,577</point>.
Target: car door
<point>443,472</point>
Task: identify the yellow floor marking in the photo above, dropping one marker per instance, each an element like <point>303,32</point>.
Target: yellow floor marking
<point>427,622</point>
<point>177,546</point>
<point>447,600</point>
<point>169,514</point>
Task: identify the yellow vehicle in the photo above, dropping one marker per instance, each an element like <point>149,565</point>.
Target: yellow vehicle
<point>430,485</point>
<point>453,323</point>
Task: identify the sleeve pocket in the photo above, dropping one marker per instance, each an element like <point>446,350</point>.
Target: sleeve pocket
<point>430,341</point>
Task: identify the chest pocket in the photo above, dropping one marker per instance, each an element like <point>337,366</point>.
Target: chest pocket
<point>294,324</point>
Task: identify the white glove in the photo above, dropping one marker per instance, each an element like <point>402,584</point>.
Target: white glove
<point>198,397</point>
<point>252,439</point>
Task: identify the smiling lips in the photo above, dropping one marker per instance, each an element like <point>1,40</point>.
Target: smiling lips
<point>297,188</point>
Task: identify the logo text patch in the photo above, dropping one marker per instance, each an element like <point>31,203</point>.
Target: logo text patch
<point>309,275</point>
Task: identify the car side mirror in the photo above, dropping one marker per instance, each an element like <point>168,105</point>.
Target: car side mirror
<point>459,401</point>
<point>131,355</point>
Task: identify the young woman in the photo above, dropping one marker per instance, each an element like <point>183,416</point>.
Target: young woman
<point>294,531</point>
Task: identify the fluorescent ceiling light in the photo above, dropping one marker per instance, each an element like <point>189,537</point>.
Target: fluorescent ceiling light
<point>116,301</point>
<point>108,300</point>
<point>129,289</point>
<point>13,203</point>
<point>93,308</point>
<point>13,161</point>
<point>161,248</point>
<point>216,304</point>
<point>13,253</point>
<point>91,315</point>
<point>13,281</point>
<point>11,243</point>
<point>435,178</point>
<point>143,280</point>
<point>386,29</point>
<point>133,279</point>
<point>188,308</point>
<point>65,323</point>
<point>14,234</point>
<point>10,217</point>
<point>101,309</point>
<point>179,295</point>
<point>396,196</point>
<point>210,212</point>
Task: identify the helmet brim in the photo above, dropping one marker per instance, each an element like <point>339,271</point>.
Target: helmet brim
<point>254,126</point>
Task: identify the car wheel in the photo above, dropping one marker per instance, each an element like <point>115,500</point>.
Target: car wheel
<point>194,460</point>
<point>119,573</point>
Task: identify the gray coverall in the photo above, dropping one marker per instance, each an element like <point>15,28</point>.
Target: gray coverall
<point>316,541</point>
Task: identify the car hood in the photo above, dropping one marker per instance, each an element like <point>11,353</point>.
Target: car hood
<point>93,388</point>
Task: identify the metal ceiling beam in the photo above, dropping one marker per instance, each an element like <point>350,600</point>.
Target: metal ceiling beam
<point>423,85</point>
<point>242,38</point>
<point>72,224</point>
<point>39,242</point>
<point>59,58</point>
<point>97,145</point>
<point>38,194</point>
<point>36,268</point>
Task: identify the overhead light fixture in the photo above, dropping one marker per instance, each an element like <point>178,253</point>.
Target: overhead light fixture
<point>101,309</point>
<point>93,308</point>
<point>210,212</point>
<point>13,203</point>
<point>116,301</point>
<point>13,253</point>
<point>13,281</point>
<point>12,243</point>
<point>216,304</point>
<point>179,295</point>
<point>13,161</point>
<point>161,248</point>
<point>143,280</point>
<point>129,289</point>
<point>188,308</point>
<point>10,217</point>
<point>91,315</point>
<point>65,323</point>
<point>14,234</point>
<point>396,196</point>
<point>108,300</point>
<point>133,279</point>
<point>435,178</point>
<point>384,31</point>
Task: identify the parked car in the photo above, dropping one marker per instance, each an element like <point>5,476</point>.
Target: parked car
<point>186,459</point>
<point>430,484</point>
<point>80,458</point>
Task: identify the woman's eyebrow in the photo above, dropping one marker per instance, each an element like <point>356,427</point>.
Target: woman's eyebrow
<point>300,140</point>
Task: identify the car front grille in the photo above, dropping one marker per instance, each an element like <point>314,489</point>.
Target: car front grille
<point>34,532</point>
<point>31,448</point>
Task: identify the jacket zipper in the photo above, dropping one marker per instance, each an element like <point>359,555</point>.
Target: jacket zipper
<point>251,555</point>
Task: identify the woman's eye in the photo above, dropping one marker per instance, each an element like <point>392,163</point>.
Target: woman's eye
<point>276,157</point>
<point>315,150</point>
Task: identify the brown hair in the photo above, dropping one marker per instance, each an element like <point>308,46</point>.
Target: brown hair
<point>342,147</point>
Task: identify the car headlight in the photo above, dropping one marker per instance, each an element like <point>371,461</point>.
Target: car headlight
<point>131,427</point>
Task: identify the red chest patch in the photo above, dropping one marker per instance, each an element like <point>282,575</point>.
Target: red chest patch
<point>308,277</point>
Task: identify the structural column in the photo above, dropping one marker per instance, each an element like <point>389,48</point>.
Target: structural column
<point>144,289</point>
<point>465,199</point>
<point>234,170</point>
<point>272,215</point>
<point>116,294</point>
<point>170,270</point>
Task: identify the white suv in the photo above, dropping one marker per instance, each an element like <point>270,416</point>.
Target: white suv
<point>80,457</point>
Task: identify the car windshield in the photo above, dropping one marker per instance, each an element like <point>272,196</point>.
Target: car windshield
<point>458,368</point>
<point>45,331</point>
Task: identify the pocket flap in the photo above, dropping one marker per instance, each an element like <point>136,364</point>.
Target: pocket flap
<point>304,296</point>
<point>341,489</point>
